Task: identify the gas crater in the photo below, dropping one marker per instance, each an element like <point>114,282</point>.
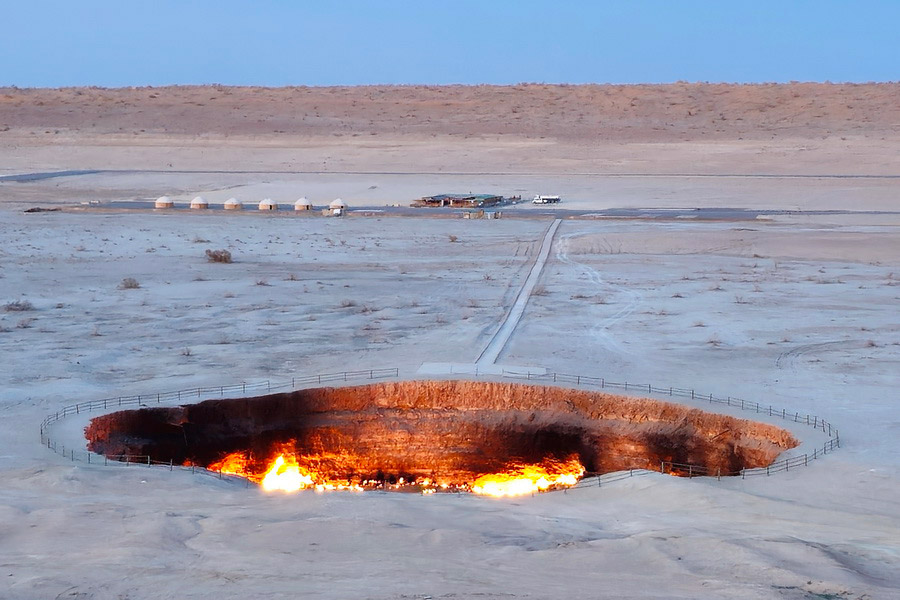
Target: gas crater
<point>448,435</point>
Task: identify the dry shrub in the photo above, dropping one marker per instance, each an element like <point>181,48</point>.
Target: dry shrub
<point>129,283</point>
<point>18,306</point>
<point>218,256</point>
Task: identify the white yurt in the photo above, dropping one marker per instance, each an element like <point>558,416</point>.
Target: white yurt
<point>268,204</point>
<point>199,202</point>
<point>337,204</point>
<point>303,204</point>
<point>233,204</point>
<point>163,202</point>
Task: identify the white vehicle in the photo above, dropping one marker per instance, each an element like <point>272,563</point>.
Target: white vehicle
<point>546,200</point>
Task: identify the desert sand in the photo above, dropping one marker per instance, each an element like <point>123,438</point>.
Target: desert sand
<point>796,310</point>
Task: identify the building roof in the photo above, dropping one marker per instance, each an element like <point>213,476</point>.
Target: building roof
<point>440,197</point>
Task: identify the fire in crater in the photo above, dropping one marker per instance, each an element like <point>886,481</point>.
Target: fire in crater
<point>491,438</point>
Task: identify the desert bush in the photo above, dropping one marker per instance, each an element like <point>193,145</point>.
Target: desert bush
<point>347,303</point>
<point>129,283</point>
<point>539,290</point>
<point>218,256</point>
<point>453,238</point>
<point>18,306</point>
<point>24,323</point>
<point>199,240</point>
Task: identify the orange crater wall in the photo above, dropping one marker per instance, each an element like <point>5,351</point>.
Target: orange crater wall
<point>452,430</point>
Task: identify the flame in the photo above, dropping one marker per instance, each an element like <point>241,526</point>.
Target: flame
<point>527,479</point>
<point>287,473</point>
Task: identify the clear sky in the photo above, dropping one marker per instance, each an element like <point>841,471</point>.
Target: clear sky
<point>306,42</point>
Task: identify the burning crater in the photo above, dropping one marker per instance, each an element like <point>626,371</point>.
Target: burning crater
<point>493,438</point>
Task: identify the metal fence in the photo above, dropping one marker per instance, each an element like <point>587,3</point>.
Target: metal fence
<point>193,394</point>
<point>689,470</point>
<point>681,469</point>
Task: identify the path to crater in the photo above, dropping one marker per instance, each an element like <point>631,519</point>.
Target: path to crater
<point>492,351</point>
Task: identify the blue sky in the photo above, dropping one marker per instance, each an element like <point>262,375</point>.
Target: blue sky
<point>156,42</point>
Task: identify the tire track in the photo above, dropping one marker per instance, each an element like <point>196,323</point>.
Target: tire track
<point>633,298</point>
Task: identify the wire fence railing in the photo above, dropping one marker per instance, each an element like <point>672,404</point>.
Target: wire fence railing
<point>193,394</point>
<point>79,454</point>
<point>692,470</point>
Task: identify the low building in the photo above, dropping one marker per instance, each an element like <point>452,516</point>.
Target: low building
<point>163,202</point>
<point>268,204</point>
<point>460,200</point>
<point>303,204</point>
<point>233,204</point>
<point>199,203</point>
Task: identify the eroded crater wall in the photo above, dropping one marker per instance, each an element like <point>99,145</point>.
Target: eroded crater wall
<point>455,429</point>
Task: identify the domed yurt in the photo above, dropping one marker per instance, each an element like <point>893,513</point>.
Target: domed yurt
<point>233,204</point>
<point>199,203</point>
<point>268,204</point>
<point>163,202</point>
<point>337,208</point>
<point>303,204</point>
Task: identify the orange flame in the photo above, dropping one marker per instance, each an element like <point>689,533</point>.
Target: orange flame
<point>286,473</point>
<point>527,479</point>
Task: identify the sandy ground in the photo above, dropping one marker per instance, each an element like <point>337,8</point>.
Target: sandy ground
<point>797,312</point>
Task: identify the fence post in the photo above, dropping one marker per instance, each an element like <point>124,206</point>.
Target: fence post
<point>171,465</point>
<point>602,383</point>
<point>770,410</point>
<point>148,460</point>
<point>88,457</point>
<point>692,394</point>
<point>767,471</point>
<point>805,460</point>
<point>719,474</point>
<point>649,389</point>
